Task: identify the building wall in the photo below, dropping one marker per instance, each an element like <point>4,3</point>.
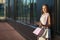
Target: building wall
<point>58,16</point>
<point>20,12</point>
<point>30,11</point>
<point>27,14</point>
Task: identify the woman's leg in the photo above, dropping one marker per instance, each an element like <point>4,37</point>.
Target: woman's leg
<point>48,34</point>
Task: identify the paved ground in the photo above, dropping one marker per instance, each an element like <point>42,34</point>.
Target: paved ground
<point>57,37</point>
<point>9,33</point>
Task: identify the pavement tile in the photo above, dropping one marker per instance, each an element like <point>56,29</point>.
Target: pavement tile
<point>7,32</point>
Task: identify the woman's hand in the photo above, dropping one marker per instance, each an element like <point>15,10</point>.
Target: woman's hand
<point>39,24</point>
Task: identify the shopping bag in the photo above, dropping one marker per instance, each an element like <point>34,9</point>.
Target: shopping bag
<point>38,31</point>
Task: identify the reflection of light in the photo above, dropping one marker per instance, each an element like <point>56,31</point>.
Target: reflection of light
<point>29,6</point>
<point>28,1</point>
<point>34,1</point>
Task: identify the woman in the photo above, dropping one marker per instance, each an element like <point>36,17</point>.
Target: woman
<point>45,22</point>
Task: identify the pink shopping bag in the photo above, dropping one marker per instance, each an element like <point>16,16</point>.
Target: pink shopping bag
<point>38,31</point>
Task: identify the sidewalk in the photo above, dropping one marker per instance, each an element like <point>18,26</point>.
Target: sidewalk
<point>9,33</point>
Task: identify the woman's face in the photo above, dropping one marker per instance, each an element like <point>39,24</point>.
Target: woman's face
<point>44,9</point>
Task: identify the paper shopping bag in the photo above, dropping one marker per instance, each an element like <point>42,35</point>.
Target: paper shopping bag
<point>38,31</point>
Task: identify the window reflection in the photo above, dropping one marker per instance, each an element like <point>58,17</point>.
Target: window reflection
<point>22,10</point>
<point>24,7</point>
<point>1,9</point>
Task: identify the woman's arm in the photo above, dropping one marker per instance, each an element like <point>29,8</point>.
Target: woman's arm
<point>48,22</point>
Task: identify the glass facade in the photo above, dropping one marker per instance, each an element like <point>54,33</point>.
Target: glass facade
<point>58,16</point>
<point>21,10</point>
<point>1,10</point>
<point>10,8</point>
<point>28,11</point>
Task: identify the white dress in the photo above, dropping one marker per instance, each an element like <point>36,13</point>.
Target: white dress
<point>43,20</point>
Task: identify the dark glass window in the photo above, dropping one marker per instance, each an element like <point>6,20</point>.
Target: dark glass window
<point>10,8</point>
<point>58,16</point>
<point>22,10</point>
<point>6,8</point>
<point>25,10</point>
<point>1,10</point>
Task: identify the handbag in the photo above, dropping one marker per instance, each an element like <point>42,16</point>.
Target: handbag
<point>38,31</point>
